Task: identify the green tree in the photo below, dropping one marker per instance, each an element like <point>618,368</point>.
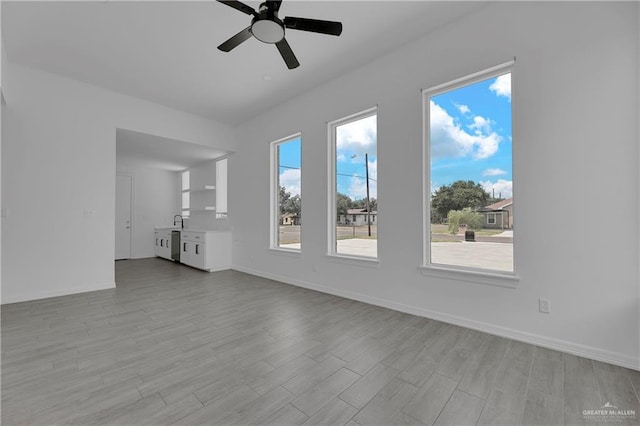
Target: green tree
<point>343,203</point>
<point>457,196</point>
<point>289,203</point>
<point>362,204</point>
<point>293,205</point>
<point>373,203</point>
<point>283,198</point>
<point>466,216</point>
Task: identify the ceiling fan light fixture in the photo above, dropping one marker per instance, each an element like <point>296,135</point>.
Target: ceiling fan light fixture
<point>267,30</point>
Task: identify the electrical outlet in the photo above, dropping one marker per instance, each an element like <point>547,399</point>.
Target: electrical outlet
<point>544,306</point>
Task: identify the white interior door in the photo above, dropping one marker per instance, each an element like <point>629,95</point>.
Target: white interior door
<point>123,217</point>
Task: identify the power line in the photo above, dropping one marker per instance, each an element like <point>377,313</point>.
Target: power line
<point>356,176</point>
<point>337,174</point>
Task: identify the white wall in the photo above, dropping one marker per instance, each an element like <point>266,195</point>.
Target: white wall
<point>2,102</point>
<point>156,199</point>
<point>59,167</point>
<point>576,111</point>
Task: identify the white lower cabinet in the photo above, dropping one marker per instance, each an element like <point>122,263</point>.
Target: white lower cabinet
<point>163,243</point>
<point>208,250</point>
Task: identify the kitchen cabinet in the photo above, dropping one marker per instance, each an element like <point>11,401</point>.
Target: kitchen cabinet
<point>208,250</point>
<point>163,243</point>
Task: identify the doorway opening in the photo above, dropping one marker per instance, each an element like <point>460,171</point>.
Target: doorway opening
<point>123,216</point>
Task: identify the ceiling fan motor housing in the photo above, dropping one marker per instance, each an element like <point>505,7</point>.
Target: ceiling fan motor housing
<point>267,27</point>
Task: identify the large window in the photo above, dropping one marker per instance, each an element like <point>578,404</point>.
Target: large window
<point>468,173</point>
<point>353,186</point>
<point>286,194</point>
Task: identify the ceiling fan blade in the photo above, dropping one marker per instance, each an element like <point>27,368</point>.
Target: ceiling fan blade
<point>240,6</point>
<point>287,54</point>
<point>234,41</point>
<point>313,25</point>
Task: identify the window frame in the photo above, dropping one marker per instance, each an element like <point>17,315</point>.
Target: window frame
<point>274,193</point>
<point>222,191</point>
<point>461,273</point>
<point>186,211</point>
<point>332,220</point>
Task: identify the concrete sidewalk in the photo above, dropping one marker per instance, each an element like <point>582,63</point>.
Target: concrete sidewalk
<point>494,256</point>
<point>485,255</point>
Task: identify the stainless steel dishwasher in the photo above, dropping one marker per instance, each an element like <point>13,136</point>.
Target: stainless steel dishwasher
<point>175,245</point>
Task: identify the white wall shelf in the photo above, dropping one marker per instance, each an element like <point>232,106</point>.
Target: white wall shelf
<point>207,188</point>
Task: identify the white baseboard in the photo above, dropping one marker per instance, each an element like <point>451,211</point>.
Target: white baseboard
<point>534,339</point>
<point>55,293</point>
<point>220,268</point>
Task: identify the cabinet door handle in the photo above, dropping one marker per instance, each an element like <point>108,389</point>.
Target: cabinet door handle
<point>197,247</point>
<point>161,242</point>
<point>184,247</point>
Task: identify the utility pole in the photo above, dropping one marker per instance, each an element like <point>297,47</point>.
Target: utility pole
<point>366,165</point>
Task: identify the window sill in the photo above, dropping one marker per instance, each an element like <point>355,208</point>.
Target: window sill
<point>286,252</point>
<point>496,279</point>
<point>367,262</point>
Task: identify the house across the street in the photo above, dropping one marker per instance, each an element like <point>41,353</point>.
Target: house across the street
<point>498,215</point>
<point>290,219</point>
<point>357,217</point>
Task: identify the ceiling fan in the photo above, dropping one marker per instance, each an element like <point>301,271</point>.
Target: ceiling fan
<point>268,28</point>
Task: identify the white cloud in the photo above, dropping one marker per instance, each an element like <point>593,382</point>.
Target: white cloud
<point>502,86</point>
<point>481,125</point>
<point>290,179</point>
<point>502,188</point>
<point>494,172</point>
<point>358,137</point>
<point>358,188</point>
<point>463,109</point>
<point>448,139</point>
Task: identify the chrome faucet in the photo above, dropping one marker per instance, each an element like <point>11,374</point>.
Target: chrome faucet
<point>181,221</point>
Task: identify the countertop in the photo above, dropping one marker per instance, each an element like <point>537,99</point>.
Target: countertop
<point>191,230</point>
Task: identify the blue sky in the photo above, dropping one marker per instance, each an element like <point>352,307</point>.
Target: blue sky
<point>470,136</point>
<point>355,141</point>
<point>290,160</point>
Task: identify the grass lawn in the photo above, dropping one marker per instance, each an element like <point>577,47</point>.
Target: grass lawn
<point>360,237</point>
<point>291,234</point>
<point>444,229</point>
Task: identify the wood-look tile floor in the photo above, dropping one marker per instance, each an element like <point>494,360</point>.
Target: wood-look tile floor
<point>174,345</point>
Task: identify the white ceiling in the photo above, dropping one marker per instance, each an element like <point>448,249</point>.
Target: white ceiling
<point>134,149</point>
<point>166,52</point>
